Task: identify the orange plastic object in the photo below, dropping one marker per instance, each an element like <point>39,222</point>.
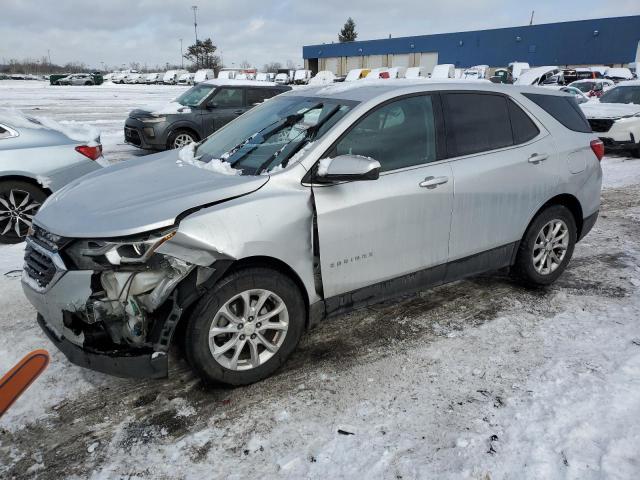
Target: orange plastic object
<point>20,377</point>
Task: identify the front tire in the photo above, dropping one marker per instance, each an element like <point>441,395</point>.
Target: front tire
<point>19,202</point>
<point>547,247</point>
<point>181,138</point>
<point>246,327</point>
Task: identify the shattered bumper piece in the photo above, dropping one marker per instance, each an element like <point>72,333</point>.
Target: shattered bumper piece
<point>132,363</point>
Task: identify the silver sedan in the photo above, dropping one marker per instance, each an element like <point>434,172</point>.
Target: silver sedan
<point>36,160</point>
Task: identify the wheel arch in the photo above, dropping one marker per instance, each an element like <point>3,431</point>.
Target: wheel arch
<point>26,179</point>
<point>570,202</point>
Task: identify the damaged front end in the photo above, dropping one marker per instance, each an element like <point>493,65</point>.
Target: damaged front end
<point>111,305</point>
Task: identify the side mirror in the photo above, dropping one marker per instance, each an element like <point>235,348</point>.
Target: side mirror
<point>211,106</point>
<point>347,168</point>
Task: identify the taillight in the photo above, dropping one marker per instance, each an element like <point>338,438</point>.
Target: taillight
<point>93,152</point>
<point>598,148</point>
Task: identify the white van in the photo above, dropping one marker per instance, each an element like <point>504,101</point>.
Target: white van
<point>301,77</point>
<point>517,69</point>
<point>446,70</point>
<point>227,74</point>
<point>203,75</point>
<point>262,77</point>
<point>282,79</point>
<point>172,76</point>
<point>185,79</point>
<point>476,73</point>
<point>413,72</point>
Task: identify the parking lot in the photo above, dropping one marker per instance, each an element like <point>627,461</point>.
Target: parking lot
<point>476,379</point>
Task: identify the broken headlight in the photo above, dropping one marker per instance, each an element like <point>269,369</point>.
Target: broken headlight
<point>119,252</point>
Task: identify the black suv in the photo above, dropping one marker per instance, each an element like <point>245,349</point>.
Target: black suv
<point>196,114</point>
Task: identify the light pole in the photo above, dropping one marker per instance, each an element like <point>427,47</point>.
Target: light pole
<point>181,57</point>
<point>195,29</point>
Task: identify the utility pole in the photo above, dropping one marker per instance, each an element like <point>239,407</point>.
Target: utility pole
<point>532,14</point>
<point>49,55</point>
<point>181,57</point>
<point>195,29</point>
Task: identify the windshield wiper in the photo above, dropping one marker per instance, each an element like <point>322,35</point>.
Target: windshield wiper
<point>288,121</point>
<point>309,133</point>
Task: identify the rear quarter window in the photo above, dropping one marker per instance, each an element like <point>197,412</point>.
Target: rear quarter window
<point>522,126</point>
<point>564,109</point>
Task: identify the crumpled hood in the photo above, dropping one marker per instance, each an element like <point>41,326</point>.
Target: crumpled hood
<point>137,196</point>
<point>609,110</point>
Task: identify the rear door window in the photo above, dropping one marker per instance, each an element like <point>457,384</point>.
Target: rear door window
<point>258,95</point>
<point>476,122</point>
<point>228,98</point>
<point>564,109</point>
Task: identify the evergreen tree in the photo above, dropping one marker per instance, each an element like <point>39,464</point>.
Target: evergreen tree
<point>348,32</point>
<point>202,54</point>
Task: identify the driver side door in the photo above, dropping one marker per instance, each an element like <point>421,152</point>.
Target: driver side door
<point>371,233</point>
<point>226,104</point>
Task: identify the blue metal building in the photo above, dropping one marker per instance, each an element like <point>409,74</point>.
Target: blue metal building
<point>603,41</point>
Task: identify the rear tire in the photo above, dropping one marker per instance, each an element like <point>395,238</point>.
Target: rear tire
<point>246,327</point>
<point>19,202</point>
<point>546,248</point>
<point>635,153</point>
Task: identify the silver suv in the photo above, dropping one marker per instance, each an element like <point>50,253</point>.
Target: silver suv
<point>318,201</point>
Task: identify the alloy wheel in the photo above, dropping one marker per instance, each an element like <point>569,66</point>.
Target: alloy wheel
<point>182,140</point>
<point>550,247</point>
<point>17,209</point>
<point>248,329</point>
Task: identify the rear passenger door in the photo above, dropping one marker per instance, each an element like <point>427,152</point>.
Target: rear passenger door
<point>504,167</point>
<point>226,104</point>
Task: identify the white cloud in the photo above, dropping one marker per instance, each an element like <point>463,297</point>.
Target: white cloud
<point>146,31</point>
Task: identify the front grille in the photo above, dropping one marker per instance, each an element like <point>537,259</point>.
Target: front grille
<point>601,124</point>
<point>39,267</point>
<point>132,136</point>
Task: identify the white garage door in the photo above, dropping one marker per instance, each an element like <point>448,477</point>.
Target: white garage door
<point>331,64</point>
<point>374,61</point>
<point>354,62</point>
<point>428,61</point>
<point>399,60</point>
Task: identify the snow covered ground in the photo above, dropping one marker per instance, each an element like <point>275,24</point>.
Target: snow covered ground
<point>479,379</point>
<point>104,107</point>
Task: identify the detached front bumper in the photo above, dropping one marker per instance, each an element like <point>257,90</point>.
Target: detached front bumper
<point>128,364</point>
<point>61,301</point>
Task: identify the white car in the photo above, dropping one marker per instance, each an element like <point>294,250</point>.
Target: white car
<point>616,117</point>
<point>203,75</point>
<point>282,79</point>
<point>131,78</point>
<point>324,77</point>
<point>356,74</point>
<point>517,69</point>
<point>618,74</point>
<point>537,75</point>
<point>593,87</point>
<point>476,73</point>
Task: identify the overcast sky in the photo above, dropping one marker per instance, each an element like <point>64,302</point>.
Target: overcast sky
<point>148,31</point>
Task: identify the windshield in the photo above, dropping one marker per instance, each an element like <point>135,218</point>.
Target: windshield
<point>194,96</point>
<point>620,94</point>
<point>585,87</point>
<point>269,135</point>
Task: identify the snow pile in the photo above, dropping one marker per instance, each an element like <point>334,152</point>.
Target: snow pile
<point>323,166</point>
<point>44,181</point>
<point>186,156</point>
<point>79,133</point>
